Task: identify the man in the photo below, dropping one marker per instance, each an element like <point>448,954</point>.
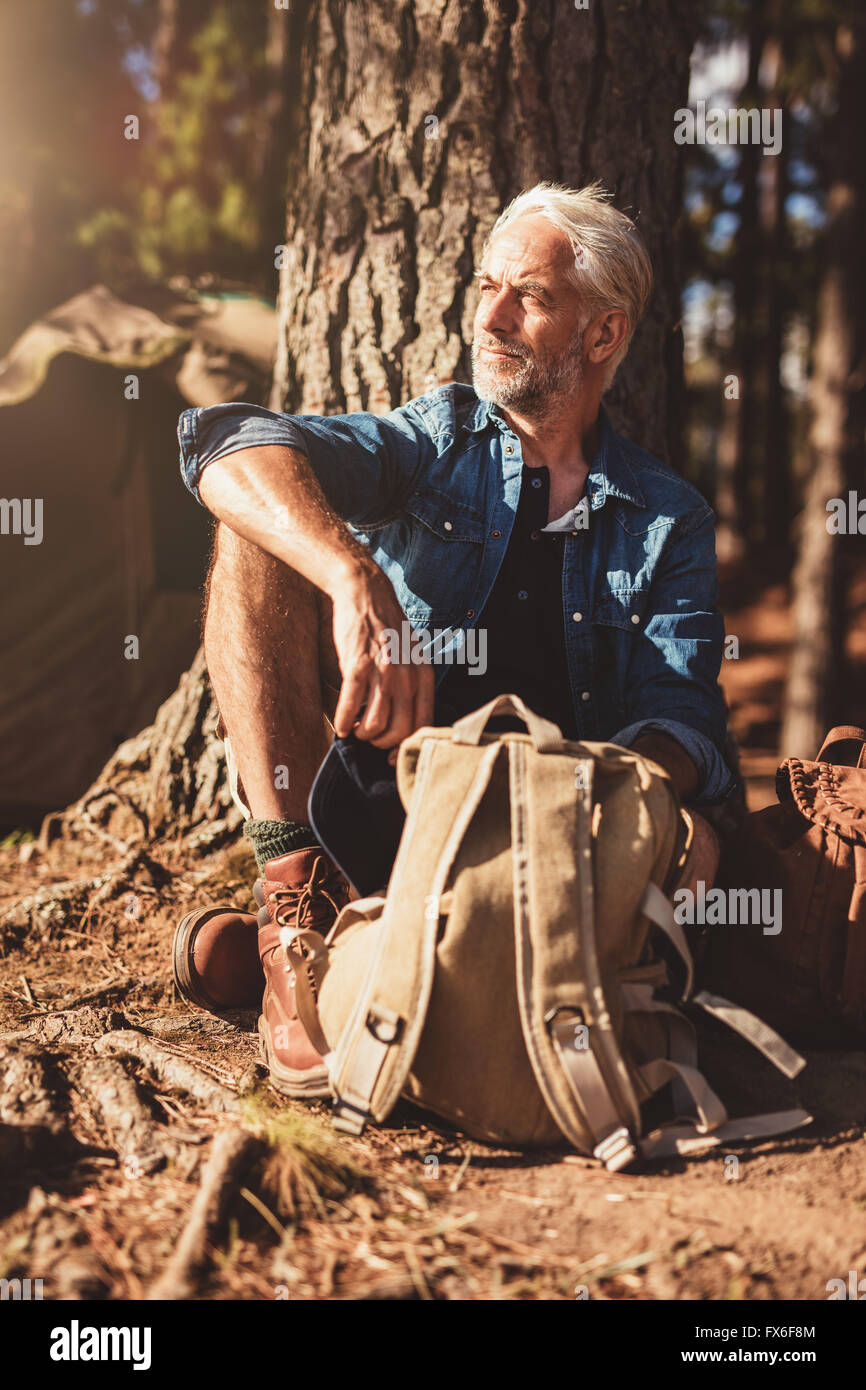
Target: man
<point>511,505</point>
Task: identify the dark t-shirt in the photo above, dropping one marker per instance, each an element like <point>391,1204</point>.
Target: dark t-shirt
<point>523,617</point>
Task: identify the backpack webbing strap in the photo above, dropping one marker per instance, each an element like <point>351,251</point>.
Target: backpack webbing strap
<point>710,1111</point>
<point>658,908</point>
<point>688,1139</point>
<point>613,1143</point>
<point>639,998</point>
<point>681,1039</point>
<point>378,1044</point>
<point>754,1030</point>
<point>352,1107</point>
<point>586,1087</point>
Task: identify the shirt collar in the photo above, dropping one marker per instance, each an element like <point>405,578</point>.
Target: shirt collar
<point>610,473</point>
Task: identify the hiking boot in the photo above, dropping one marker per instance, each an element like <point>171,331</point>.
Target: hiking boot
<point>215,959</point>
<point>299,899</point>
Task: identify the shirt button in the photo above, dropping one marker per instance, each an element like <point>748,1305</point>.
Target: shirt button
<point>536,482</point>
<point>635,618</point>
<point>523,594</point>
<point>448,526</point>
<point>577,617</point>
<point>495,535</point>
<point>509,448</point>
<point>470,612</point>
<point>535,535</point>
<point>585,695</point>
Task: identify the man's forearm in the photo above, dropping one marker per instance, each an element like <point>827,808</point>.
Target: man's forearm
<point>269,495</point>
<point>670,755</point>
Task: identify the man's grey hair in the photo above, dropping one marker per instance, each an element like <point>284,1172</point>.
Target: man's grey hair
<point>612,268</point>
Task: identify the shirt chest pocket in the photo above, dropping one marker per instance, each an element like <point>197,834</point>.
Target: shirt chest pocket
<point>445,553</point>
<point>621,608</point>
<point>440,519</point>
<point>618,617</point>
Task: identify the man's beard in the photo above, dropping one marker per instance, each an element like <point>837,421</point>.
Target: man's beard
<point>524,384</point>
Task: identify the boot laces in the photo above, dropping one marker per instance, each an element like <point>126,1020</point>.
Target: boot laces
<point>314,889</point>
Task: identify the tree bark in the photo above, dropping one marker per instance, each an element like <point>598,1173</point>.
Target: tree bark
<point>815,688</point>
<point>739,464</point>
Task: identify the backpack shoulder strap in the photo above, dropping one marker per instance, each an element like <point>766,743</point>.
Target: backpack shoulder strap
<point>374,1054</point>
<point>579,1069</point>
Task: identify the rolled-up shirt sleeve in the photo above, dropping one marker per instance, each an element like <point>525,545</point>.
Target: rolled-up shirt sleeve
<point>365,464</point>
<point>715,779</point>
<point>673,683</point>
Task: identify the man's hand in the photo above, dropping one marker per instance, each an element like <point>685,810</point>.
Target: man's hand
<point>396,699</point>
<point>270,496</point>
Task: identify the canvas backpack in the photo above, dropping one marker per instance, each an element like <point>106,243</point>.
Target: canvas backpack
<point>520,978</point>
<point>809,977</point>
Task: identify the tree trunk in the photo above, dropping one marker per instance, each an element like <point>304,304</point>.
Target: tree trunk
<point>421,123</point>
<point>838,417</point>
<point>740,453</point>
<point>774,439</point>
<point>412,125</point>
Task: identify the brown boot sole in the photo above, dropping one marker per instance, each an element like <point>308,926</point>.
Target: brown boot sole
<point>311,1084</point>
<point>185,976</point>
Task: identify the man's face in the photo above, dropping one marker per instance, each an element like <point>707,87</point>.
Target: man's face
<point>526,350</point>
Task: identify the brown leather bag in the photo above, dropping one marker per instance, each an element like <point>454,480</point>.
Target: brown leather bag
<point>809,979</point>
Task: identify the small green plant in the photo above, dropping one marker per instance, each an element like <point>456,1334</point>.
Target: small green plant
<point>17,837</point>
<point>307,1164</point>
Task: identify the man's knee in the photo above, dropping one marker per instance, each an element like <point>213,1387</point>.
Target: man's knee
<point>255,578</point>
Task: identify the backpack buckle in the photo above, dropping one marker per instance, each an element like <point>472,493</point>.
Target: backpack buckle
<point>349,1118</point>
<point>384,1024</point>
<point>616,1150</point>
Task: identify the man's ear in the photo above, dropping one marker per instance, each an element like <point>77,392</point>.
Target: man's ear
<point>605,335</point>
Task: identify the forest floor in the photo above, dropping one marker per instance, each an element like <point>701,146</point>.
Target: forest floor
<point>131,1174</point>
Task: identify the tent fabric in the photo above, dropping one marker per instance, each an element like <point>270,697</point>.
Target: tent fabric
<point>125,547</point>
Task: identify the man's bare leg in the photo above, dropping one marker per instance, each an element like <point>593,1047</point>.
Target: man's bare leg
<point>269,651</point>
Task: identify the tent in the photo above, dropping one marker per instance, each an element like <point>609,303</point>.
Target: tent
<point>101,616</point>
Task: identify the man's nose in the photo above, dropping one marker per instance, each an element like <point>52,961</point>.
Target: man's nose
<point>496,314</point>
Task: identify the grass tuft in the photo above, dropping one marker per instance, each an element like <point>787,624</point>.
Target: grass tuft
<point>307,1164</point>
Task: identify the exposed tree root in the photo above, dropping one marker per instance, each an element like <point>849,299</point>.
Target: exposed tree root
<point>137,1140</point>
<point>232,1152</point>
<point>46,913</point>
<point>32,1126</point>
<point>173,1071</point>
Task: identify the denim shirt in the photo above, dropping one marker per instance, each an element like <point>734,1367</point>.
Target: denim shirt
<point>432,487</point>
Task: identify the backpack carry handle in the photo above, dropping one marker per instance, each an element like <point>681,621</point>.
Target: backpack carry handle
<point>546,736</point>
<point>844,757</point>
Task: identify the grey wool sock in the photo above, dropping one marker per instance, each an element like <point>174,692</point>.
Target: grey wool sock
<point>271,838</point>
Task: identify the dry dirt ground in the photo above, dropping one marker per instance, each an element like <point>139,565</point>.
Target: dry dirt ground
<point>127,1173</point>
